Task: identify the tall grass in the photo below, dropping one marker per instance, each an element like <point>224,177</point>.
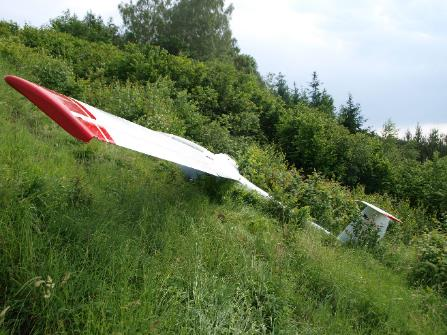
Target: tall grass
<point>97,239</point>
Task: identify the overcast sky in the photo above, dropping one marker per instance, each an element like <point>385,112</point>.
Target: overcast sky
<point>390,54</point>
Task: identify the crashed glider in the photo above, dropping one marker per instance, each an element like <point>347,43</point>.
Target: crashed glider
<point>85,122</point>
<point>370,216</point>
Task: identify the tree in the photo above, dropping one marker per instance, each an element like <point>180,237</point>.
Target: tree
<point>349,115</point>
<point>144,20</point>
<point>418,137</point>
<point>320,98</point>
<point>312,140</point>
<point>299,95</point>
<point>281,88</point>
<point>197,28</point>
<point>389,130</point>
<point>91,28</point>
<point>314,91</point>
<point>246,64</point>
<point>434,142</point>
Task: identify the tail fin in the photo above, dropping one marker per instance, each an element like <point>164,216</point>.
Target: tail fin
<point>370,215</point>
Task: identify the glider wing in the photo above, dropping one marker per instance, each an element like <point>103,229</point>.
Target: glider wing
<point>85,122</point>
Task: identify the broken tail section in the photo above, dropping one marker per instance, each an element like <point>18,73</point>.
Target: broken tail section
<point>370,217</point>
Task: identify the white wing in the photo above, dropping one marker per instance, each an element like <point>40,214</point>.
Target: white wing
<point>86,122</point>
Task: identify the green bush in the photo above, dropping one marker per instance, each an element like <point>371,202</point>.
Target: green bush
<point>8,28</point>
<point>332,205</point>
<point>364,235</point>
<point>314,141</point>
<point>88,59</point>
<point>49,72</point>
<point>431,266</point>
<point>91,27</point>
<point>56,75</point>
<point>266,167</point>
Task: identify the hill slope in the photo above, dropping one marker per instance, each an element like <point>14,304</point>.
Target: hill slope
<point>96,239</point>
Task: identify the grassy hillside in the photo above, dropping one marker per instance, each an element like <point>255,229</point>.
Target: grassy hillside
<point>97,239</point>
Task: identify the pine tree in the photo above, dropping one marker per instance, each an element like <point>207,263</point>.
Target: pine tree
<point>299,95</point>
<point>350,117</point>
<point>281,87</point>
<point>320,99</point>
<point>314,91</point>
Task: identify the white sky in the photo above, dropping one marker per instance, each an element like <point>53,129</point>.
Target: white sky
<point>390,54</point>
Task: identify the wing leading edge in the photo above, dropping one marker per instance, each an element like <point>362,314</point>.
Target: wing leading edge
<point>85,122</point>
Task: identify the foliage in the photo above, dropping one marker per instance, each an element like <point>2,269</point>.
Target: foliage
<point>364,235</point>
<point>430,268</point>
<point>225,109</point>
<point>47,71</point>
<point>199,29</point>
<point>318,98</point>
<point>332,205</point>
<point>192,257</point>
<point>314,140</point>
<point>8,28</point>
<point>350,116</point>
<point>91,27</point>
<point>389,130</point>
<point>427,146</point>
<point>268,169</point>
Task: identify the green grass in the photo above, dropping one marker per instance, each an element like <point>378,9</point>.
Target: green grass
<point>133,248</point>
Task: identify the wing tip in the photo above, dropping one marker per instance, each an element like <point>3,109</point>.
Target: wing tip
<point>43,98</point>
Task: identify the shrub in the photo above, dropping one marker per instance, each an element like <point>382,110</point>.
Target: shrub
<point>313,140</point>
<point>364,235</point>
<point>332,205</point>
<point>8,28</point>
<point>49,72</point>
<point>91,27</point>
<point>56,75</point>
<point>431,265</point>
<point>267,168</point>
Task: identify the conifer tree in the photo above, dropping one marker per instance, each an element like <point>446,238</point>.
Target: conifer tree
<point>320,99</point>
<point>350,115</point>
<point>282,89</point>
